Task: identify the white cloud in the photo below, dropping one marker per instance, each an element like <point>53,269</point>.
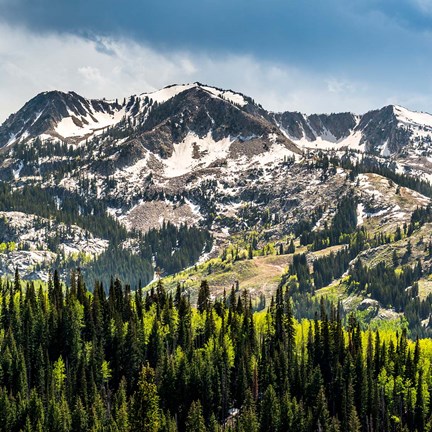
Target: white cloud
<point>425,6</point>
<point>115,68</point>
<point>92,75</point>
<point>335,85</point>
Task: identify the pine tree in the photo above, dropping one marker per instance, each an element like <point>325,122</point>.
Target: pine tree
<point>203,302</point>
<point>270,411</point>
<point>291,247</point>
<point>248,417</point>
<point>80,421</point>
<point>195,420</point>
<point>146,414</point>
<point>419,407</point>
<point>121,409</point>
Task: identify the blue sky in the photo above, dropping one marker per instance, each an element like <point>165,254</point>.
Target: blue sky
<point>309,55</point>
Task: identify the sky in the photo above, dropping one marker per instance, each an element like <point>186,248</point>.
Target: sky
<point>297,55</point>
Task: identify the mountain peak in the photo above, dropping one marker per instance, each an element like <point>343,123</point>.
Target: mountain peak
<point>407,116</point>
<point>58,114</point>
<point>67,115</point>
<point>170,91</point>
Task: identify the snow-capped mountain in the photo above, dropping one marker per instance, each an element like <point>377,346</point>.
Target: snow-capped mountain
<point>191,154</point>
<point>58,115</point>
<point>389,131</point>
<point>68,116</point>
<point>178,129</point>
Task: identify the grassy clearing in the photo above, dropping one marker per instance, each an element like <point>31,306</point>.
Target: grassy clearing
<point>259,275</point>
<point>425,287</point>
<point>328,251</point>
<point>335,291</point>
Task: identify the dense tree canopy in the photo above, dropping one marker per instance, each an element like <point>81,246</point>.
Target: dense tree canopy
<point>76,361</point>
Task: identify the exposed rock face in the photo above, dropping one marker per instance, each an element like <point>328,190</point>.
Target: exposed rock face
<point>380,128</point>
<point>311,127</point>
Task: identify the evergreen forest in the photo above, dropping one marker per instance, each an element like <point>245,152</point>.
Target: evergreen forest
<point>75,360</point>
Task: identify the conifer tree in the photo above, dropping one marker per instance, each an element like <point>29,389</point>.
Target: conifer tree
<point>146,414</point>
<point>195,420</point>
<point>270,411</point>
<point>203,302</point>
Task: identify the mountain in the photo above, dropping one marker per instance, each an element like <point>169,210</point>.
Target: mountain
<point>68,116</point>
<point>389,131</point>
<point>305,243</point>
<point>134,164</point>
<point>179,112</point>
<point>58,115</point>
<point>392,131</point>
<point>194,181</point>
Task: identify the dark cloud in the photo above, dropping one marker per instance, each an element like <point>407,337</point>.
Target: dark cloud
<point>314,32</point>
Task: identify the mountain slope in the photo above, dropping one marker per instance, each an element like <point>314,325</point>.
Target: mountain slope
<point>200,155</point>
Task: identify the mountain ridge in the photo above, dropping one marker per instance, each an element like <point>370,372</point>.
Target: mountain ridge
<point>69,117</point>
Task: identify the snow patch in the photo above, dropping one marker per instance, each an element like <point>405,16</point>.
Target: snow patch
<point>360,214</point>
<point>16,173</point>
<point>409,117</point>
<point>195,208</point>
<point>195,152</point>
<point>77,126</point>
<point>274,155</point>
<point>167,93</point>
<point>230,96</point>
<point>12,139</point>
<point>385,150</point>
<point>328,142</point>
